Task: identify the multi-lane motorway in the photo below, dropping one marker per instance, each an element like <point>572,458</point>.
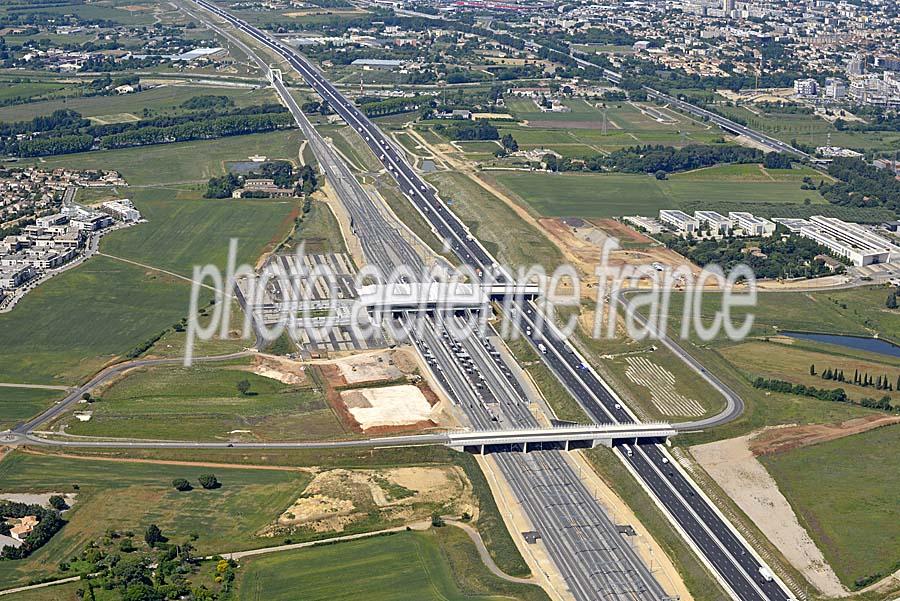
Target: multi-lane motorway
<point>737,566</point>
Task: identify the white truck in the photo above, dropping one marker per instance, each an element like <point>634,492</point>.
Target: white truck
<point>542,348</point>
<point>765,574</point>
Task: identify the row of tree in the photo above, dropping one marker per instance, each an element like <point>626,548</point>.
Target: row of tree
<point>661,160</point>
<point>835,395</point>
<point>882,382</point>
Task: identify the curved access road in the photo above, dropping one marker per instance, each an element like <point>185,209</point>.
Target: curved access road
<point>734,404</point>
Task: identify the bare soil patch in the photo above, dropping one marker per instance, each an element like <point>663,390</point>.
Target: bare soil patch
<point>337,498</point>
<point>282,369</point>
<point>779,440</point>
<point>735,468</point>
<point>379,365</point>
<point>389,406</point>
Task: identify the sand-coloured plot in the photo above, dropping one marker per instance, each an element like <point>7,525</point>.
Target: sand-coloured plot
<point>388,406</point>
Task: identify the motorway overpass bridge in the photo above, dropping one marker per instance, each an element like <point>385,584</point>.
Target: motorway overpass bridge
<point>428,296</point>
<point>559,437</point>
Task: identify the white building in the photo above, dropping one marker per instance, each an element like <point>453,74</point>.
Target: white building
<point>850,240</point>
<point>123,210</point>
<point>718,223</point>
<point>679,221</point>
<point>806,87</point>
<point>13,277</point>
<point>648,224</point>
<point>750,224</point>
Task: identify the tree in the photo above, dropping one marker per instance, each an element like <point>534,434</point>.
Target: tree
<point>208,481</point>
<point>86,397</point>
<point>154,535</point>
<point>58,503</point>
<point>660,174</point>
<point>181,484</point>
<point>243,386</point>
<point>891,302</point>
<point>812,369</point>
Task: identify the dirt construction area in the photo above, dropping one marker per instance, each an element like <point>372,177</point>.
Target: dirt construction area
<point>338,498</point>
<point>379,365</point>
<point>388,406</point>
<point>734,466</point>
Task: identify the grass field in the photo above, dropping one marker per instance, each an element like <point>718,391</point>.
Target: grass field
<point>569,195</point>
<point>811,130</point>
<point>27,90</point>
<point>191,162</point>
<point>185,230</point>
<point>162,99</point>
<point>202,403</point>
<point>68,327</point>
<point>503,232</point>
<point>439,564</point>
<point>129,496</point>
<point>791,363</point>
<point>20,404</point>
<point>599,195</point>
<point>844,493</point>
<point>856,311</point>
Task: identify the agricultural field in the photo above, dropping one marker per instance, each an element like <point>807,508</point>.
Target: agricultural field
<point>580,132</point>
<point>790,360</point>
<point>168,165</point>
<point>87,316</point>
<point>20,404</point>
<point>70,326</point>
<point>203,402</point>
<point>857,523</point>
<point>811,130</point>
<point>598,195</point>
<point>436,564</point>
<point>164,99</point>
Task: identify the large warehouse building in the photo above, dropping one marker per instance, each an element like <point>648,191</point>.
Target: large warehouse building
<point>850,240</point>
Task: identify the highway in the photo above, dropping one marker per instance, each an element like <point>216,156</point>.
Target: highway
<point>590,553</point>
<point>735,563</point>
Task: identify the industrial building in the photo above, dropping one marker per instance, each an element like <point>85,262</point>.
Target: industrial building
<point>718,223</point>
<point>679,221</point>
<point>750,224</point>
<point>648,224</point>
<point>854,242</point>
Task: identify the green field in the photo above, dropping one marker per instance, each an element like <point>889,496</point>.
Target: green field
<point>68,327</point>
<point>185,162</point>
<point>20,404</point>
<point>515,242</point>
<point>161,99</point>
<point>184,230</point>
<point>791,362</point>
<point>597,195</point>
<point>202,402</point>
<point>856,523</point>
<point>439,565</point>
<point>129,496</point>
<point>810,129</point>
<point>858,311</point>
